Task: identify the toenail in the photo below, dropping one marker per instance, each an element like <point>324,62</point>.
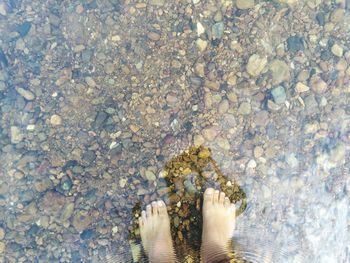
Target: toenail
<point>160,203</point>
<point>209,191</point>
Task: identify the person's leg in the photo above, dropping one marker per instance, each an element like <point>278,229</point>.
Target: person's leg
<point>154,226</point>
<point>218,227</point>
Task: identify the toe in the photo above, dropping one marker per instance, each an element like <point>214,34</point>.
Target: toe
<point>155,208</point>
<point>208,196</point>
<point>161,208</point>
<point>232,208</point>
<point>148,210</point>
<point>222,198</point>
<point>227,202</point>
<point>143,216</point>
<point>140,222</point>
<point>216,197</point>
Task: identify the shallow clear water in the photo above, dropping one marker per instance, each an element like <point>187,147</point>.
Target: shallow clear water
<point>97,97</point>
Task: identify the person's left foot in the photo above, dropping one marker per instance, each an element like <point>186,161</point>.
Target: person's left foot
<point>154,226</point>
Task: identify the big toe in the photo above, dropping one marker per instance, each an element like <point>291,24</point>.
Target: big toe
<point>208,196</point>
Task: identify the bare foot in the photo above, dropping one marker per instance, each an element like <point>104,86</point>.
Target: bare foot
<point>154,226</point>
<point>218,226</point>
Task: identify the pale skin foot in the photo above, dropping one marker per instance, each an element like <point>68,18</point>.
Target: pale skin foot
<point>154,226</point>
<point>218,226</point>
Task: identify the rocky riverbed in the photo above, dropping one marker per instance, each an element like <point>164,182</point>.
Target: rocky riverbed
<point>97,96</point>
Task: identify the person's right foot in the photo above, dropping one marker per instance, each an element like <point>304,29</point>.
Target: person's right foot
<point>218,225</point>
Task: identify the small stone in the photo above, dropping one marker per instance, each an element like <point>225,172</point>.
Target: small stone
<point>223,106</point>
<point>78,48</point>
<point>79,9</point>
<point>301,87</point>
<point>295,44</point>
<point>2,233</point>
<point>337,15</point>
<point>223,143</point>
<point>232,79</point>
<point>217,30</point>
<point>198,140</point>
<point>201,44</point>
<point>232,97</point>
<point>251,164</point>
<point>292,161</point>
<point>134,128</point>
<point>150,175</point>
<point>258,151</point>
<point>28,95</point>
<point>89,156</point>
<point>245,4</point>
<point>3,86</point>
<point>280,71</point>
<point>3,10</point>
<point>279,95</point>
<point>122,182</point>
<point>23,29</point>
<point>210,133</point>
<point>195,1</point>
<point>337,50</point>
<point>157,2</point>
<point>318,85</point>
<point>200,29</point>
<point>109,67</point>
<point>213,85</point>
<point>153,36</point>
<point>115,230</point>
<point>55,120</point>
<point>256,65</point>
<point>16,135</point>
<point>310,102</point>
<point>81,220</point>
<point>2,247</point>
<point>244,108</point>
<point>90,81</point>
<point>321,20</point>
<point>311,128</point>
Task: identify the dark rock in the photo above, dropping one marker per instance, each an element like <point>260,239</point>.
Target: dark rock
<point>295,44</point>
<point>100,119</point>
<point>3,60</point>
<point>326,55</point>
<point>91,5</point>
<point>70,164</point>
<point>116,151</point>
<point>33,230</point>
<point>65,184</point>
<point>23,29</point>
<point>87,234</point>
<point>320,18</point>
<point>89,156</point>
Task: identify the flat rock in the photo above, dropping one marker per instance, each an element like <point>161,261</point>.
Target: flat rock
<point>318,85</point>
<point>28,95</point>
<point>245,4</point>
<point>56,120</point>
<point>337,50</point>
<point>301,87</point>
<point>244,108</point>
<point>157,2</point>
<point>256,65</point>
<point>279,94</point>
<point>16,135</point>
<point>280,71</point>
<point>210,133</point>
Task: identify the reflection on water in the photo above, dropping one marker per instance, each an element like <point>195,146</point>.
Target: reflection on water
<point>97,96</point>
